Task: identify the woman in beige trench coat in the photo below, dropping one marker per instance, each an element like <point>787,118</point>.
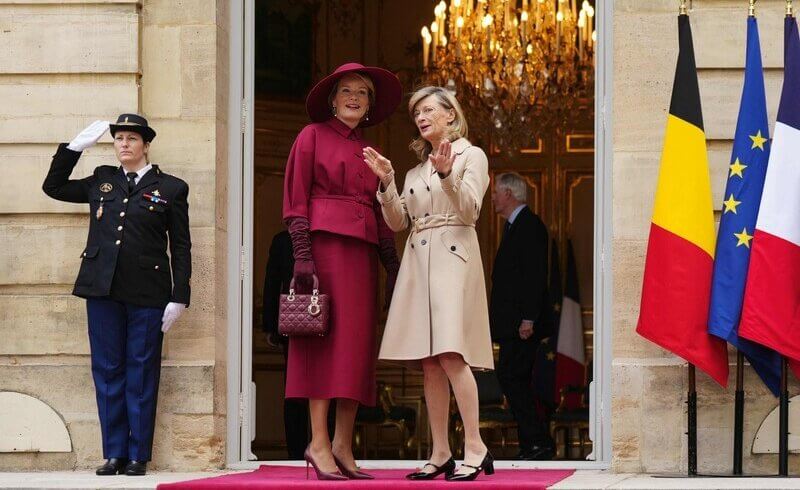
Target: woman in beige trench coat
<point>439,317</point>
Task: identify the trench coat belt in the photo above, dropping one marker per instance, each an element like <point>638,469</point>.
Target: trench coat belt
<point>436,221</point>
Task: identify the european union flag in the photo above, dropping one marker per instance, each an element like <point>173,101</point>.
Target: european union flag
<point>745,183</point>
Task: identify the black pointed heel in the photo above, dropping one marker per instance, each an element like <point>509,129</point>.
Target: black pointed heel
<point>448,468</point>
<point>486,466</point>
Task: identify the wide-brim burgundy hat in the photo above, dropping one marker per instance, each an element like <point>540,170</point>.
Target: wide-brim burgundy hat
<point>135,123</point>
<point>388,93</point>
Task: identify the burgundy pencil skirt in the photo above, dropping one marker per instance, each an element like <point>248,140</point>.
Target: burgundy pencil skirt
<point>342,363</point>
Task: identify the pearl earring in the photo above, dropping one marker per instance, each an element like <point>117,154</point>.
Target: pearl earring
<point>334,110</point>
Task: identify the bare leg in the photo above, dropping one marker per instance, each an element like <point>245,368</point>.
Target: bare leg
<point>466,393</point>
<point>437,400</point>
<point>320,446</point>
<point>343,437</point>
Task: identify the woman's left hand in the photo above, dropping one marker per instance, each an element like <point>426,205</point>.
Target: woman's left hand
<point>443,159</point>
<point>172,312</point>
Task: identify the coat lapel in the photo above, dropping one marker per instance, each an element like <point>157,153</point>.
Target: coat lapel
<point>149,179</point>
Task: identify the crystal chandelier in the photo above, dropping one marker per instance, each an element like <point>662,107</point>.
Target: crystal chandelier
<point>520,68</point>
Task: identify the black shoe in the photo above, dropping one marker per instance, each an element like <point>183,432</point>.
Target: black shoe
<point>486,466</point>
<point>113,466</point>
<point>448,468</point>
<point>136,468</point>
<point>541,453</point>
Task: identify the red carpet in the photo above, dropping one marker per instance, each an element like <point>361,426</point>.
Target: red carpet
<point>291,477</point>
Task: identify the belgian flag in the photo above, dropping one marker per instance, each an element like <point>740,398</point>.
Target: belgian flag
<point>680,251</point>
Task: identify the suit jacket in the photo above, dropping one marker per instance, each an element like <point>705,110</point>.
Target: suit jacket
<point>519,281</point>
<point>328,183</point>
<point>280,269</point>
<point>126,251</point>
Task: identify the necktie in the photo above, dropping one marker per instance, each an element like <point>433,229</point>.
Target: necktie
<point>506,228</point>
<point>131,181</point>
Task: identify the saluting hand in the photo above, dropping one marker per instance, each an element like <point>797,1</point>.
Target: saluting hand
<point>379,164</point>
<point>89,136</point>
<point>443,158</point>
<point>172,312</point>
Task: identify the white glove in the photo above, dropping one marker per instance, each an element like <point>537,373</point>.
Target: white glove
<point>172,312</point>
<point>89,136</point>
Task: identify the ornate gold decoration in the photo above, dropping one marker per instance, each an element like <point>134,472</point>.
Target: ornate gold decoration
<point>521,68</point>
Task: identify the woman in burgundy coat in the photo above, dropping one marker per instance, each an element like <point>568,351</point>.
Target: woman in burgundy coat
<point>338,234</point>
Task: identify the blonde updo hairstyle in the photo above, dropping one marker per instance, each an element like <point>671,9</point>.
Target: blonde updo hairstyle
<point>457,128</point>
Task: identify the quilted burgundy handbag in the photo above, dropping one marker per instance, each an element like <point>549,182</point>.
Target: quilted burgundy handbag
<point>303,315</point>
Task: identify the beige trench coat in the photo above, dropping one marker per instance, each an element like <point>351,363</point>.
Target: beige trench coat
<point>439,302</point>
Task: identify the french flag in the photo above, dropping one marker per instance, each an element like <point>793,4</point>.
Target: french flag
<point>771,312</point>
<point>570,361</point>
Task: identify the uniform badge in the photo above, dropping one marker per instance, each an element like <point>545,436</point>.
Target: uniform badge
<point>156,193</point>
<point>106,187</point>
<point>99,213</point>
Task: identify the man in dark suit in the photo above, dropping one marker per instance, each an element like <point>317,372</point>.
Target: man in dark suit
<point>280,269</point>
<point>134,291</point>
<point>520,311</point>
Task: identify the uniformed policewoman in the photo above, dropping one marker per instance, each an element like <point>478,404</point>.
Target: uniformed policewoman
<point>134,291</point>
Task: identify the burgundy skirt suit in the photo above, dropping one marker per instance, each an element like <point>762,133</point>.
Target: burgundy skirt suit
<point>337,227</point>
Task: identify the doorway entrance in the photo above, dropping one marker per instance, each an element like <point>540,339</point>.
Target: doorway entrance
<point>278,48</point>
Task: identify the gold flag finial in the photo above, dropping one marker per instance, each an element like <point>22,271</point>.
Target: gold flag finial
<point>752,10</point>
<point>789,9</point>
<point>683,8</point>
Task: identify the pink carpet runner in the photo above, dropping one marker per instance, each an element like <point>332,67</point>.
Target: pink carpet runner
<point>292,477</point>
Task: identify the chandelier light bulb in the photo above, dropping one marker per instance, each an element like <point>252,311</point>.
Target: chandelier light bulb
<point>487,20</point>
<point>529,49</point>
<point>434,27</point>
<point>444,41</point>
<point>560,16</point>
<point>460,21</point>
<point>524,16</point>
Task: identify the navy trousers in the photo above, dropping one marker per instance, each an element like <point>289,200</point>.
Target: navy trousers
<point>125,342</point>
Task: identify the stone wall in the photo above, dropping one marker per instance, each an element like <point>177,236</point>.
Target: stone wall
<point>61,67</point>
<point>649,384</point>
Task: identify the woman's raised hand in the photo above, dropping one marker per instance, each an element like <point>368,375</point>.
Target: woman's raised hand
<point>379,164</point>
<point>89,136</point>
<point>442,159</point>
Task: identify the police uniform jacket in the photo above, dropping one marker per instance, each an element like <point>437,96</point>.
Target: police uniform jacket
<point>125,256</point>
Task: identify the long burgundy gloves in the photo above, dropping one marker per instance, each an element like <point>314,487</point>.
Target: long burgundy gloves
<point>388,254</point>
<point>304,270</point>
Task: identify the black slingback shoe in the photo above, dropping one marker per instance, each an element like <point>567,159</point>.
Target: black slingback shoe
<point>486,466</point>
<point>448,468</point>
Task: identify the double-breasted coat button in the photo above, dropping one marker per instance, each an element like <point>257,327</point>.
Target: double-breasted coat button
<point>122,214</point>
<point>426,215</point>
<point>156,267</point>
<point>412,246</point>
<point>429,188</point>
<point>151,208</point>
<point>118,242</point>
<point>423,242</point>
<point>84,254</point>
<point>125,201</point>
<point>411,191</point>
<point>453,248</point>
<point>119,228</point>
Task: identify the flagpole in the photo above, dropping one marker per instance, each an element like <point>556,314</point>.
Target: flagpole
<point>692,429</point>
<point>783,426</point>
<point>738,424</point>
